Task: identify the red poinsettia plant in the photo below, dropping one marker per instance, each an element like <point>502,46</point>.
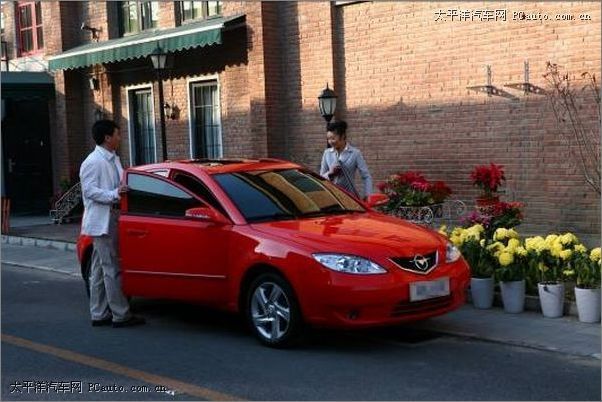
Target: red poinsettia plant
<point>488,178</point>
<point>413,189</point>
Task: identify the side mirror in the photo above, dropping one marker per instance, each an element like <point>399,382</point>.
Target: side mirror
<point>205,214</point>
<point>376,200</point>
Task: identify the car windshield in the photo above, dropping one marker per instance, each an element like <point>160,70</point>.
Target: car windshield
<point>268,195</point>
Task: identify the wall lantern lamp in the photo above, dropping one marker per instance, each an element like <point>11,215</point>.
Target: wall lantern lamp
<point>171,111</point>
<point>94,83</point>
<point>159,59</point>
<point>327,102</point>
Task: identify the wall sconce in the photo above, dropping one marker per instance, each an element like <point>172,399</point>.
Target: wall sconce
<point>327,102</point>
<point>171,112</point>
<point>94,83</point>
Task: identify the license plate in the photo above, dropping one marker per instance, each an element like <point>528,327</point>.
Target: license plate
<point>429,289</point>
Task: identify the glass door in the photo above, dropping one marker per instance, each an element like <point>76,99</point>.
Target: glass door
<point>143,135</point>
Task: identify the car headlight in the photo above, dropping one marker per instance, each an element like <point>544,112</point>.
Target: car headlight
<point>452,253</point>
<point>350,264</point>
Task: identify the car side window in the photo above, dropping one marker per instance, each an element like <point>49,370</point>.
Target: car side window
<point>197,187</point>
<point>152,196</point>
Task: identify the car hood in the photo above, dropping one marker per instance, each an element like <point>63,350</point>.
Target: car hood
<point>361,234</point>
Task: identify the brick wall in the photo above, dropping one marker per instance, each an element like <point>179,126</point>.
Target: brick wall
<point>307,67</point>
<point>8,10</point>
<point>402,80</point>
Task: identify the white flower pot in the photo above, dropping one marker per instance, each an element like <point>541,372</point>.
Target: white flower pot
<point>588,304</point>
<point>551,299</point>
<point>481,290</point>
<point>513,296</point>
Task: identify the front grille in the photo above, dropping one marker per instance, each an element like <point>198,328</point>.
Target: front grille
<point>420,263</point>
<point>407,307</point>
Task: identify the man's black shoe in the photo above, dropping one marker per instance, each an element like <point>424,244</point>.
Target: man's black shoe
<point>130,322</point>
<point>103,322</point>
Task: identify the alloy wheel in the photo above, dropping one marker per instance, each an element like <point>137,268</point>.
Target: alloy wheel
<point>271,311</point>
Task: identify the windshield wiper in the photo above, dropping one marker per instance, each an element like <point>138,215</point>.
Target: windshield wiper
<point>273,217</point>
<point>329,211</point>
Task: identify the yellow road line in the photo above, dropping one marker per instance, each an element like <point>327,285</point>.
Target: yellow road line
<point>106,365</point>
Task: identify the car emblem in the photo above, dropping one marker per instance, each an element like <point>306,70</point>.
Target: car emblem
<point>421,262</point>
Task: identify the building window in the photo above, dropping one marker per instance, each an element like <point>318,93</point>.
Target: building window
<point>206,120</point>
<point>137,16</point>
<point>29,27</point>
<point>194,10</point>
<point>142,127</point>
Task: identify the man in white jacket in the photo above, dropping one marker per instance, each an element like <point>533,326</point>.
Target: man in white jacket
<point>100,176</point>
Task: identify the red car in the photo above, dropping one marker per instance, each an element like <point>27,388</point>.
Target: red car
<point>282,245</point>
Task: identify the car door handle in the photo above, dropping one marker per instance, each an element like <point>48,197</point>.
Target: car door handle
<point>136,232</point>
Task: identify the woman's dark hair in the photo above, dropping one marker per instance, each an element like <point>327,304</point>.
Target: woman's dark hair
<point>101,128</point>
<point>338,127</point>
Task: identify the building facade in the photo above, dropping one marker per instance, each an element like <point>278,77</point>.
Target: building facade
<point>243,79</point>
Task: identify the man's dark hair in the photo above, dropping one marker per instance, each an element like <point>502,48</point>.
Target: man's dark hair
<point>102,128</point>
<point>338,127</point>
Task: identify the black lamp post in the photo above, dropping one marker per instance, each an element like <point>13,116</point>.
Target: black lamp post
<point>327,102</point>
<point>159,59</point>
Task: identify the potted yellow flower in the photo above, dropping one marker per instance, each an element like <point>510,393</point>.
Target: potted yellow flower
<point>587,270</point>
<point>510,257</point>
<point>551,258</point>
<point>472,246</point>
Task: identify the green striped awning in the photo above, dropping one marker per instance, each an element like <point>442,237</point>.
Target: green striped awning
<point>188,36</point>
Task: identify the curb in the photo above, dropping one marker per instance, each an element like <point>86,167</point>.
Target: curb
<point>510,342</point>
<point>41,268</point>
<point>32,241</point>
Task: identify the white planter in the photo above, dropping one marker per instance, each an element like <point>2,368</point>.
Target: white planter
<point>588,304</point>
<point>481,290</point>
<point>513,296</point>
<point>551,299</point>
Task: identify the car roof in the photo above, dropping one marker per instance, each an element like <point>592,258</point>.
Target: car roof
<point>220,165</point>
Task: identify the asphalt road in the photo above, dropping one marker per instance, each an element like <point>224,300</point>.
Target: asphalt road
<point>185,352</point>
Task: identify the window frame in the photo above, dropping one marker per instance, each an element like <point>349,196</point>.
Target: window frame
<point>139,7</point>
<point>204,11</point>
<point>35,25</point>
<point>209,197</point>
<point>163,179</point>
<point>190,84</point>
<point>130,93</point>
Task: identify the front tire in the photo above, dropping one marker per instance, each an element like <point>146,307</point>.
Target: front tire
<point>273,312</point>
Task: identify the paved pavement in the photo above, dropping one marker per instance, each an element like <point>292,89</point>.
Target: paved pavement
<point>45,246</point>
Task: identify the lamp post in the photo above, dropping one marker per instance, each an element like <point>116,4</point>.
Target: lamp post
<point>327,102</point>
<point>159,58</point>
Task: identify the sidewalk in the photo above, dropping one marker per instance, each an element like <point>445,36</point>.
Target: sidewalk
<point>41,227</point>
<point>51,248</point>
